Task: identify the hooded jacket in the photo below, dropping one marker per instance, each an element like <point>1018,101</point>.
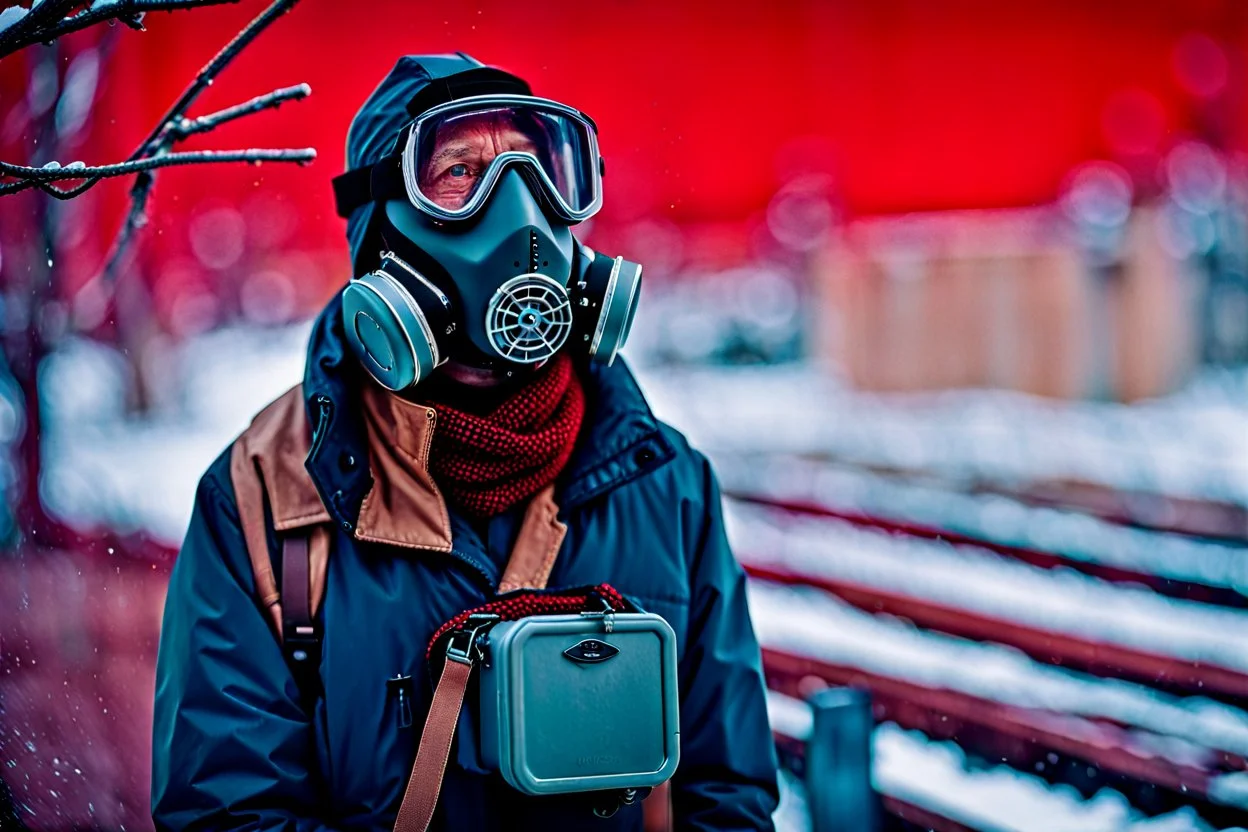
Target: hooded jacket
<point>237,747</point>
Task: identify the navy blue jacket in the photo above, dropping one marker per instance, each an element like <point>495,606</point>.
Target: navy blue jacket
<point>234,748</point>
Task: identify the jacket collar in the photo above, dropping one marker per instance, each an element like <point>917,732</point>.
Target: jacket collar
<point>620,439</point>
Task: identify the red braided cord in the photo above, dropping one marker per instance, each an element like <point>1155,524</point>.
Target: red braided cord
<point>516,607</point>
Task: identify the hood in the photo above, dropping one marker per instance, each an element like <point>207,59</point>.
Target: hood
<point>416,83</point>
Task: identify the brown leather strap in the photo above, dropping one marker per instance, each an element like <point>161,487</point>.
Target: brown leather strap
<point>296,583</point>
<point>657,809</point>
<point>425,784</point>
<point>301,641</point>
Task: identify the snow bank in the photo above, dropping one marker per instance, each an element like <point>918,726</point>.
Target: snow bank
<point>1192,444</point>
<point>979,581</point>
<point>102,467</point>
<point>811,623</point>
<point>989,517</point>
<point>909,766</point>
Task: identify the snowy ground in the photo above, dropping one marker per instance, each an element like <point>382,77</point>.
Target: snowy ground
<point>811,623</point>
<point>1193,444</point>
<point>988,517</point>
<point>142,474</point>
<point>977,580</point>
<point>911,767</point>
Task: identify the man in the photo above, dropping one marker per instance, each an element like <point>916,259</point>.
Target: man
<point>460,413</point>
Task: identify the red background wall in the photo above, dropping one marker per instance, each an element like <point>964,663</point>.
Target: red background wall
<point>707,107</point>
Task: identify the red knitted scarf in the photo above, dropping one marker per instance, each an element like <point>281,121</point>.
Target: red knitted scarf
<point>488,463</point>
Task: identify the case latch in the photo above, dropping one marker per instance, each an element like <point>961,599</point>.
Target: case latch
<point>463,646</point>
<point>607,613</point>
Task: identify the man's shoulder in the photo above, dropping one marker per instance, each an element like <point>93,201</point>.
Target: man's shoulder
<point>285,416</point>
<point>280,424</point>
<point>688,469</point>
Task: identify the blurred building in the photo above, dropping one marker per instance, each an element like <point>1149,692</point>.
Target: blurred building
<point>1007,299</point>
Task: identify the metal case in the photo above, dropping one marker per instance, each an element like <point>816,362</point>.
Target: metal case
<point>575,703</point>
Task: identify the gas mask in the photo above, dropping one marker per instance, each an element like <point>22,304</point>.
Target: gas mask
<point>479,262</point>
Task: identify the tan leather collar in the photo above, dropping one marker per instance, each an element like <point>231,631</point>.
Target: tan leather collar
<point>276,445</point>
<point>404,506</point>
<point>267,461</point>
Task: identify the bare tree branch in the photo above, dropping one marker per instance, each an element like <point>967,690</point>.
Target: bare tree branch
<point>37,177</point>
<point>129,12</point>
<point>191,126</point>
<point>208,74</point>
<point>36,20</point>
<point>155,150</point>
<point>136,218</point>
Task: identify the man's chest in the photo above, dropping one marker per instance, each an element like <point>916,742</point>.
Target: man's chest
<point>384,603</point>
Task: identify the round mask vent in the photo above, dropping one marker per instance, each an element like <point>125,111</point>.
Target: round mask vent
<point>529,318</point>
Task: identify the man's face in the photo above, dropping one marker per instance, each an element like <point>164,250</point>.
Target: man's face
<point>463,149</point>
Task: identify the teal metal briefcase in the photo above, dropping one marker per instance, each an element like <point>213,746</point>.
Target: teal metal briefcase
<point>574,703</point>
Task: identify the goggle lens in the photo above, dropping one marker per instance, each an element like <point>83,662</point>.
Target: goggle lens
<point>456,153</point>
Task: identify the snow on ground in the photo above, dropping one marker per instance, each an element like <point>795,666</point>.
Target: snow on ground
<point>812,623</point>
<point>977,580</point>
<point>142,473</point>
<point>988,517</point>
<point>936,775</point>
<point>1192,444</point>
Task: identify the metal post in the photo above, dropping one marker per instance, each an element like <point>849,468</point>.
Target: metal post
<point>838,763</point>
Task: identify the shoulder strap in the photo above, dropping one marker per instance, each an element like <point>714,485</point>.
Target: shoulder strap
<point>425,783</point>
<point>300,633</point>
<point>532,557</point>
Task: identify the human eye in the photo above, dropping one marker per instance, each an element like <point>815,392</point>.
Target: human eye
<point>458,174</point>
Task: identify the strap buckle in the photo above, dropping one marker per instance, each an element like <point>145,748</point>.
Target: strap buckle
<point>612,802</point>
<point>607,613</point>
<point>464,646</point>
<point>302,643</point>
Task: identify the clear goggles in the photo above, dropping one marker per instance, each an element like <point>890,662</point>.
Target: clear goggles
<point>454,154</point>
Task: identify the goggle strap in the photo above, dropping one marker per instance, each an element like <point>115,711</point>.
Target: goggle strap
<point>371,183</point>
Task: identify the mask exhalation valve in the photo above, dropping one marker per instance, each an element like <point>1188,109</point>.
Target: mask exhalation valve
<point>529,318</point>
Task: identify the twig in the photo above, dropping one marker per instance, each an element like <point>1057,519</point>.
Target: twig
<point>136,218</point>
<point>40,176</point>
<point>36,19</point>
<point>155,150</point>
<point>129,12</point>
<point>191,126</point>
<point>208,74</point>
<point>35,176</point>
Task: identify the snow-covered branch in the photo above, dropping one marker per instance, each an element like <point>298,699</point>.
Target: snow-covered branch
<point>47,20</point>
<point>53,172</point>
<point>271,100</point>
<point>167,129</point>
<point>21,27</point>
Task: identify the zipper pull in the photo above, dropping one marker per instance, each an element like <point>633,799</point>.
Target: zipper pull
<point>400,687</point>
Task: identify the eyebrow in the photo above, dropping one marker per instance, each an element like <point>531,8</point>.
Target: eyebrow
<point>453,152</point>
